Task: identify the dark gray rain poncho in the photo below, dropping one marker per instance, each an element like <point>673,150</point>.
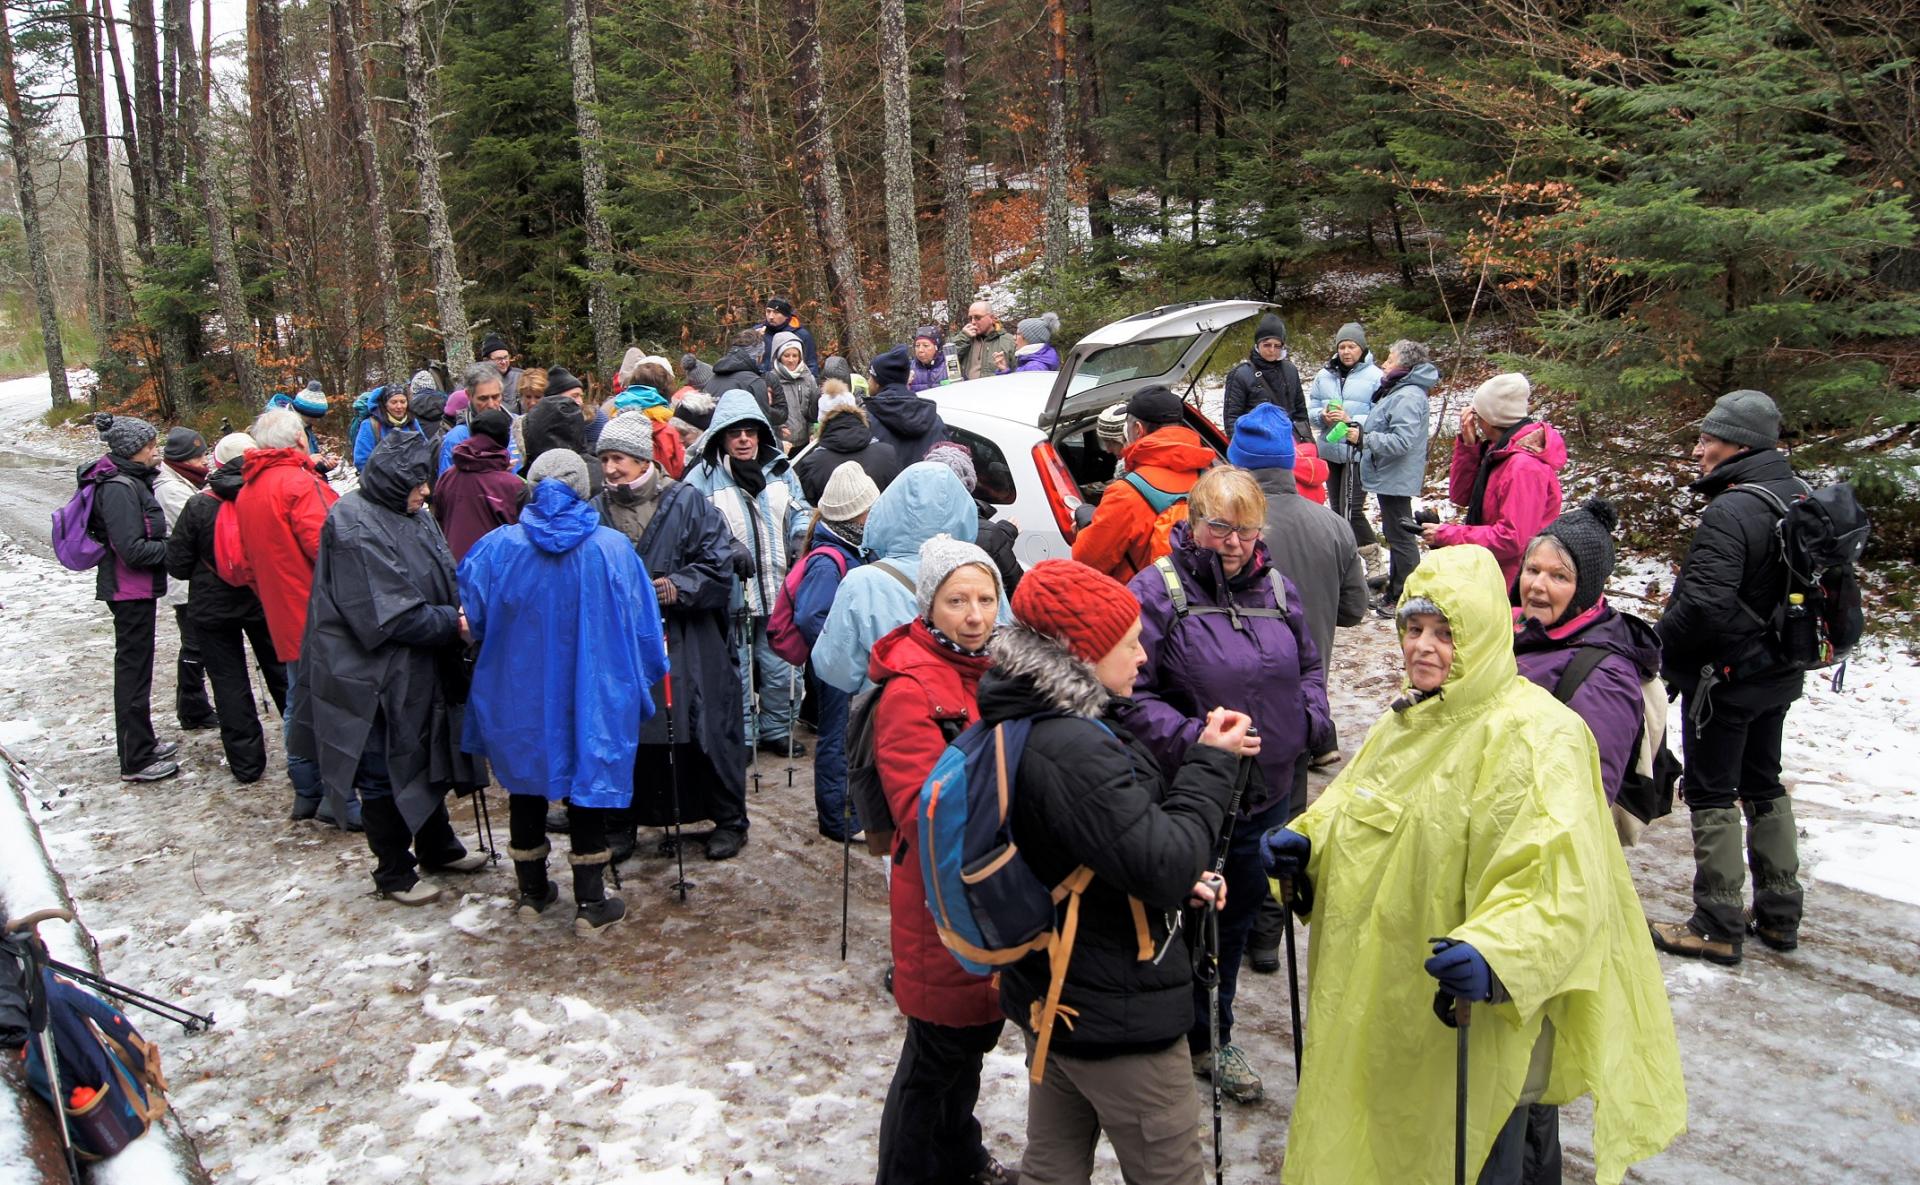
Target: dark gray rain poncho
<point>383,624</point>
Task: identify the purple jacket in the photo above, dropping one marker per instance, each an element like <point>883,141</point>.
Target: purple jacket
<point>925,378</point>
<point>478,493</point>
<point>1044,358</point>
<point>1265,666</point>
<point>128,519</point>
<point>1609,700</point>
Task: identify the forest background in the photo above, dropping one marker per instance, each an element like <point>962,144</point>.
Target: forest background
<point>1641,203</point>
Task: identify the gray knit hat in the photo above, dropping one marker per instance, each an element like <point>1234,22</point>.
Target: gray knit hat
<point>1039,329</point>
<point>955,456</point>
<point>939,556</point>
<point>630,433</point>
<point>849,493</point>
<point>1748,418</point>
<point>126,435</point>
<point>1351,332</point>
<point>562,465</point>
<point>183,444</point>
<point>1587,536</point>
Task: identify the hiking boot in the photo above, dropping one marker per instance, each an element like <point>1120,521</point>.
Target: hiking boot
<point>1680,938</point>
<point>725,843</point>
<point>165,749</point>
<point>1331,757</point>
<point>471,862</point>
<point>1375,558</point>
<point>537,893</point>
<point>200,725</point>
<point>777,746</point>
<point>622,843</point>
<point>594,910</point>
<point>1772,937</point>
<point>418,893</point>
<point>153,771</point>
<point>1265,960</point>
<point>1237,1079</point>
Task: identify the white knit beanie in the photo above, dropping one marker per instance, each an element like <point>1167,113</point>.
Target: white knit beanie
<point>849,493</point>
<point>1501,401</point>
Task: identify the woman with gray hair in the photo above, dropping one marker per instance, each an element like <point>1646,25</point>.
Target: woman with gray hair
<point>1392,450</point>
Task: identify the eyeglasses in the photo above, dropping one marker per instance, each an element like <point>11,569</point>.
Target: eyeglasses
<point>1222,527</point>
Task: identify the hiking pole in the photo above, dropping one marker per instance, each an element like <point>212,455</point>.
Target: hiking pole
<point>192,1022</point>
<point>483,824</point>
<point>1462,1016</point>
<point>846,862</point>
<point>1293,971</point>
<point>753,696</point>
<point>39,1019</point>
<point>793,705</point>
<point>673,775</point>
<point>1208,969</point>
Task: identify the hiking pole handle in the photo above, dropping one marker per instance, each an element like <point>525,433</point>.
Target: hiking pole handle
<point>31,922</point>
<point>1242,776</point>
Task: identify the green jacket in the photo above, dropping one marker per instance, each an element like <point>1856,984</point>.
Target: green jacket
<point>976,353</point>
<point>1476,814</point>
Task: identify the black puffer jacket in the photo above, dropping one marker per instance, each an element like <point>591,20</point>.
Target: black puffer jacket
<point>739,370</point>
<point>996,538</point>
<point>1095,796</point>
<point>909,423</point>
<point>190,555</point>
<point>845,436</point>
<point>1734,560</point>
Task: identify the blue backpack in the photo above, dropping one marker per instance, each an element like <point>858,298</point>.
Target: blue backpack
<point>988,906</point>
<point>109,1073</point>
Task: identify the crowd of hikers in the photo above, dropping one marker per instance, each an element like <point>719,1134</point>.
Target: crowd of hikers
<point>607,609</point>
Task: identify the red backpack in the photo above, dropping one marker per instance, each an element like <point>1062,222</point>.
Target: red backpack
<point>783,633</point>
<point>230,560</point>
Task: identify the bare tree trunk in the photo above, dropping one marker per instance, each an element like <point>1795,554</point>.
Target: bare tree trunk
<point>903,235</point>
<point>109,304</point>
<point>820,177</point>
<point>1056,241</point>
<point>603,311</point>
<point>142,185</point>
<point>19,140</point>
<point>956,192</point>
<point>746,157</point>
<point>347,35</point>
<point>447,285</point>
<point>150,114</point>
<point>194,131</point>
<point>1091,106</point>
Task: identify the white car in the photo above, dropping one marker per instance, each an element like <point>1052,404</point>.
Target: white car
<point>1035,449</point>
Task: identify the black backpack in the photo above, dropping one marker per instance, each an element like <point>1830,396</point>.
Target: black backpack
<point>1646,789</point>
<point>864,791</point>
<point>1820,535</point>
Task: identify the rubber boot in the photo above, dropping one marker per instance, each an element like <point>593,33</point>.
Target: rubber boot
<point>530,869</point>
<point>1773,853</point>
<point>594,910</point>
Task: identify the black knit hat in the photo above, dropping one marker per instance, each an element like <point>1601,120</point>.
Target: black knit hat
<point>891,368</point>
<point>1270,326</point>
<point>560,381</point>
<point>1587,534</point>
<point>495,424</point>
<point>492,342</point>
<point>184,444</point>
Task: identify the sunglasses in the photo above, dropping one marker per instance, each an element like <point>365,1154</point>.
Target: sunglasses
<point>1222,527</point>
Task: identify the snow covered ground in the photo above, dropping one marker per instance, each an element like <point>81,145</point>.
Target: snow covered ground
<point>724,1041</point>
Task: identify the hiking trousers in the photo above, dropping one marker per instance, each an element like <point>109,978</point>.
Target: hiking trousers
<point>1145,1103</point>
<point>928,1134</point>
<point>223,649</point>
<point>190,704</point>
<point>133,683</point>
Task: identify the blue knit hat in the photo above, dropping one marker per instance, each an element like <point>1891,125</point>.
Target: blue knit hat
<point>312,401</point>
<point>1262,439</point>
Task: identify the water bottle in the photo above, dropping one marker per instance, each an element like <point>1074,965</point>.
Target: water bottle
<point>1800,634</point>
<point>1338,432</point>
<point>952,353</point>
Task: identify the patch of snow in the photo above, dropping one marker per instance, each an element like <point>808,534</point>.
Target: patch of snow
<point>280,988</point>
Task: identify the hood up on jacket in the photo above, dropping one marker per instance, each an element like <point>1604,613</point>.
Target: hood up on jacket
<point>901,412</point>
<point>1029,665</point>
<point>557,519</point>
<point>924,501</point>
<point>737,361</point>
<point>735,408</point>
<point>225,480</point>
<point>846,432</point>
<point>481,453</point>
<point>1465,582</point>
<point>399,464</point>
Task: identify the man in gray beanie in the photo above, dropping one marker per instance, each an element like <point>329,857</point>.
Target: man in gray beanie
<point>1720,652</point>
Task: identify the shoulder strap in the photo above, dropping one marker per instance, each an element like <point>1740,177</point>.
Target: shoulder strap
<point>894,572</point>
<point>1164,565</point>
<point>1763,493</point>
<point>1585,659</point>
<point>1158,499</point>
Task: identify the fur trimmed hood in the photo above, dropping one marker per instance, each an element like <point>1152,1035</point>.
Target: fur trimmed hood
<point>1055,675</point>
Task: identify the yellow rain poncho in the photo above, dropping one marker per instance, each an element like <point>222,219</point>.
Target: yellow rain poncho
<point>1476,814</point>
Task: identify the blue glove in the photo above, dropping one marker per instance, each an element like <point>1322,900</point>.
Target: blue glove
<point>1284,854</point>
<point>1462,971</point>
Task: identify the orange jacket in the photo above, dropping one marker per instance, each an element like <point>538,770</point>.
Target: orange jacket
<point>1119,539</point>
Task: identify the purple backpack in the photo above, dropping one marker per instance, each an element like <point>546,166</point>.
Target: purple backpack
<point>73,541</point>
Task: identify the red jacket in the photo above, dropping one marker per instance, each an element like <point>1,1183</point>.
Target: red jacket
<point>924,683</point>
<point>282,507</point>
<point>1310,472</point>
<point>1119,541</point>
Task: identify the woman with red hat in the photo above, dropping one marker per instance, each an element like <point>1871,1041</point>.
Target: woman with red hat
<point>1089,794</point>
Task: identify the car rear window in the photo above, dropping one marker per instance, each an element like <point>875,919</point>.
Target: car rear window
<point>992,476</point>
<point>1134,360</point>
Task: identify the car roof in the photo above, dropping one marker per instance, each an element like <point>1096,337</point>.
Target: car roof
<point>1020,397</point>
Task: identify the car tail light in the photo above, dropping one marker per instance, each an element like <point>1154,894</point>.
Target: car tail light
<point>1063,493</point>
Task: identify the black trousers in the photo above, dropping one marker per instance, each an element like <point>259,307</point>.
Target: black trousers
<point>223,650</point>
<point>928,1135</point>
<point>1346,499</point>
<point>1527,1150</point>
<point>133,683</point>
<point>1735,757</point>
<point>1403,541</point>
<point>190,704</point>
<point>527,824</point>
<point>388,838</point>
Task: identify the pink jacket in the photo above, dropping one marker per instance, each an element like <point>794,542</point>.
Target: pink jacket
<point>1522,496</point>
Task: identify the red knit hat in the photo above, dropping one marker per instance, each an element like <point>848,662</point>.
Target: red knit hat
<point>1087,610</point>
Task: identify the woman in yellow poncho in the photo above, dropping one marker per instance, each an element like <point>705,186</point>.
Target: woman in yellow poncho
<point>1473,811</point>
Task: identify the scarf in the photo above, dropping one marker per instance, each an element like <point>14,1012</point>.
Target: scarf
<point>401,422</point>
<point>1489,460</point>
<point>849,533</point>
<point>639,398</point>
<point>954,646</point>
<point>791,374</point>
<point>634,504</point>
<point>748,475</point>
<point>193,471</point>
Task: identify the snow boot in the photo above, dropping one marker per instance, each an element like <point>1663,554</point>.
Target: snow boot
<point>1719,876</point>
<point>326,814</point>
<point>530,870</point>
<point>594,911</point>
<point>1773,853</point>
<point>1375,558</point>
<point>1237,1079</point>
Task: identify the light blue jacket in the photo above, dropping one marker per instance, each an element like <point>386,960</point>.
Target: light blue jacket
<point>460,432</point>
<point>924,501</point>
<point>769,523</point>
<point>1393,447</point>
<point>370,433</point>
<point>1355,394</point>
